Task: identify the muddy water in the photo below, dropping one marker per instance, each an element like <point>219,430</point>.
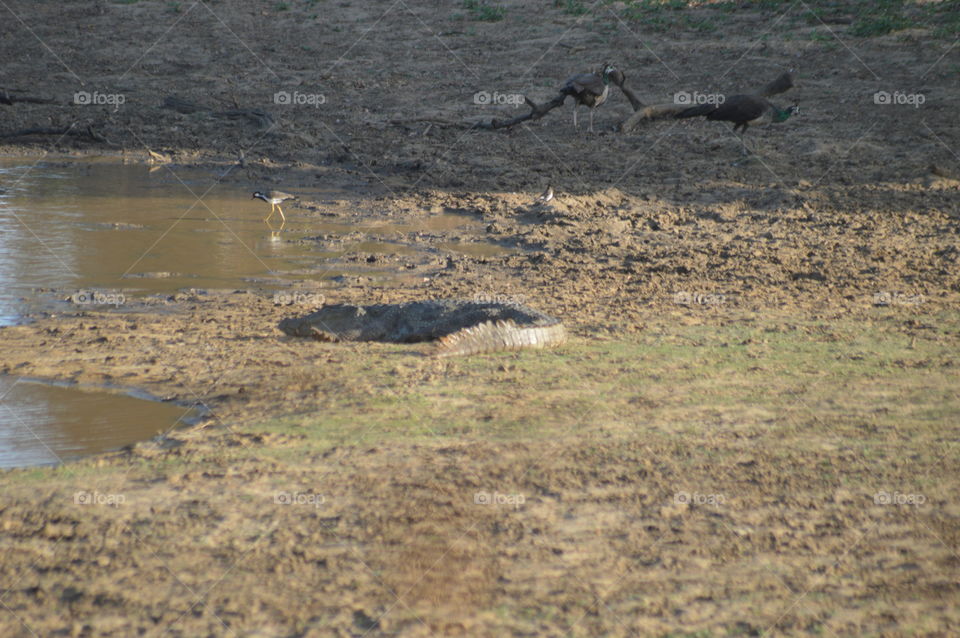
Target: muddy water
<point>104,231</point>
<point>114,229</point>
<point>46,424</point>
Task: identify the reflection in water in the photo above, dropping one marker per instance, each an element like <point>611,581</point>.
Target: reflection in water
<point>128,228</point>
<point>45,424</point>
<point>275,232</point>
<point>112,226</point>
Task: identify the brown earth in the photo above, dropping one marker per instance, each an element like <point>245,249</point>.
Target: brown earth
<point>849,205</point>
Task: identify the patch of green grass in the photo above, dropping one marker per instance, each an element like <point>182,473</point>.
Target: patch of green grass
<point>481,11</point>
<point>776,383</point>
<point>943,17</point>
<point>667,15</point>
<point>281,6</point>
<point>799,382</point>
<point>866,18</point>
<point>880,25</point>
<point>72,471</point>
<point>703,25</point>
<point>572,7</point>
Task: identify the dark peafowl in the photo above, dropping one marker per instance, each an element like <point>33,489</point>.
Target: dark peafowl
<point>742,110</point>
<point>588,89</point>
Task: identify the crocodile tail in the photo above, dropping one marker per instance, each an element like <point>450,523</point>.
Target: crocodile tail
<point>494,336</point>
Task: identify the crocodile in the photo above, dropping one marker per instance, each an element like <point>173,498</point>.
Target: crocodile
<point>459,327</point>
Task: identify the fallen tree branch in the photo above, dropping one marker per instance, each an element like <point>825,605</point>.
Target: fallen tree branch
<point>618,78</point>
<point>436,121</point>
<point>536,112</point>
<point>539,110</point>
<point>641,112</point>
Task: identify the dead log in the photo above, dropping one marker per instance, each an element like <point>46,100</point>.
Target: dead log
<point>536,112</point>
<point>618,78</point>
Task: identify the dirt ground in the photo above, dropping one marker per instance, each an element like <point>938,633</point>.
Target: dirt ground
<point>842,232</point>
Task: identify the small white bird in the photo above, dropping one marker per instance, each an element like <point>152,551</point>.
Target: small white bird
<point>546,196</point>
